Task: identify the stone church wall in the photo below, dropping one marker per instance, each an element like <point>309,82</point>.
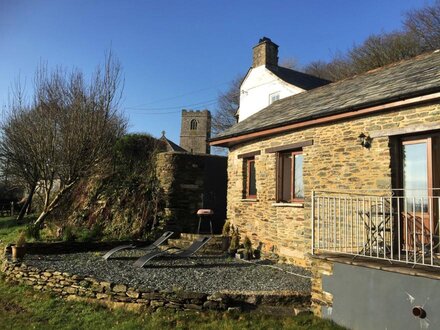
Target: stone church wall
<point>194,137</point>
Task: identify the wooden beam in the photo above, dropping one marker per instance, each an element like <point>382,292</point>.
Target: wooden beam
<point>291,146</point>
<point>249,154</point>
<point>405,130</point>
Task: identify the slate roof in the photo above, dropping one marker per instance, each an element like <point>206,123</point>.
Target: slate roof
<point>170,145</point>
<point>296,78</point>
<point>414,77</point>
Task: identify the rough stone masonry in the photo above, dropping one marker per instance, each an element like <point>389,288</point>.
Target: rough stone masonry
<point>335,161</point>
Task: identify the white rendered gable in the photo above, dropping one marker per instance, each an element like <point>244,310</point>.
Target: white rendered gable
<point>258,88</point>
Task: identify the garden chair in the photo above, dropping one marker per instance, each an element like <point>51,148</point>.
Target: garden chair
<point>151,247</point>
<point>420,239</point>
<point>185,253</point>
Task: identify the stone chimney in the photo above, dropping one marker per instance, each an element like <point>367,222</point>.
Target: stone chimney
<point>265,53</point>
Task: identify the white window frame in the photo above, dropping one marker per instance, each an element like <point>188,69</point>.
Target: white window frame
<point>273,95</point>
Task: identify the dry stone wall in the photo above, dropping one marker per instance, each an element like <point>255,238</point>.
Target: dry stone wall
<point>335,161</point>
<point>66,285</point>
<point>71,286</point>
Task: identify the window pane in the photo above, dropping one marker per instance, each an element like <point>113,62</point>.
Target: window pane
<point>286,179</point>
<point>252,181</point>
<point>274,97</point>
<point>415,174</point>
<point>299,186</point>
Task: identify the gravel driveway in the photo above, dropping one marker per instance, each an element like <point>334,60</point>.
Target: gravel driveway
<point>198,274</point>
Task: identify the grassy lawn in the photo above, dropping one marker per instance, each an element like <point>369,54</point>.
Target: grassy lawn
<point>23,308</point>
<point>10,229</point>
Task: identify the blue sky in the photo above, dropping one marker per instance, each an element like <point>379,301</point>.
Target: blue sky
<point>179,54</point>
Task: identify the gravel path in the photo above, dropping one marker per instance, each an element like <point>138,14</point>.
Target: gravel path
<point>201,274</point>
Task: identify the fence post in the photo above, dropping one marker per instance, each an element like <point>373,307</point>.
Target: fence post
<point>313,222</point>
<point>12,209</point>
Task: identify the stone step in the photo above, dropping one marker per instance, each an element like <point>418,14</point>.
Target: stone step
<point>214,246</point>
<point>185,243</point>
<point>193,237</point>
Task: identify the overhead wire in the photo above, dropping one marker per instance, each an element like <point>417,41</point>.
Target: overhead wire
<point>177,96</point>
<point>145,110</point>
<point>178,109</point>
<point>173,107</point>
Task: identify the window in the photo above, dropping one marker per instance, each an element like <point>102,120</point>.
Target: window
<point>290,187</point>
<point>274,97</point>
<point>418,173</point>
<point>250,179</point>
<point>417,180</point>
<point>193,125</point>
<point>415,168</point>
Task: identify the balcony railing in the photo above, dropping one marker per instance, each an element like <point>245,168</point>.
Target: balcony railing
<point>398,226</point>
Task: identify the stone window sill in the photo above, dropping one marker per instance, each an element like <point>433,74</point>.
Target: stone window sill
<point>249,200</point>
<point>295,204</point>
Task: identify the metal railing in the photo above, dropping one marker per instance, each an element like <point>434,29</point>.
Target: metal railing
<point>398,226</point>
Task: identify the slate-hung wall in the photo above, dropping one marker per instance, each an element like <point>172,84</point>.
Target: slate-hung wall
<point>335,161</point>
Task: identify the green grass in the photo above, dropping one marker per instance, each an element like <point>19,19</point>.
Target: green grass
<point>10,228</point>
<point>23,308</point>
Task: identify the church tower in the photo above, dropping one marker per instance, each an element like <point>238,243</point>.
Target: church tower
<point>195,131</point>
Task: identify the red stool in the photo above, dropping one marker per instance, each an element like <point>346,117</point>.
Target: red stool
<point>205,214</point>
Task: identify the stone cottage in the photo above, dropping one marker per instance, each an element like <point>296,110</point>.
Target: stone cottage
<point>348,175</point>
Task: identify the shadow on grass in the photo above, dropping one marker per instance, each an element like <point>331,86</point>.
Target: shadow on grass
<point>11,222</point>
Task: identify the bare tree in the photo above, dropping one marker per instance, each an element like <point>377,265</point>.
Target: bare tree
<point>421,33</point>
<point>68,132</point>
<point>376,51</point>
<point>381,50</point>
<point>424,23</point>
<point>339,68</point>
<point>228,103</point>
<point>289,62</point>
<point>17,151</point>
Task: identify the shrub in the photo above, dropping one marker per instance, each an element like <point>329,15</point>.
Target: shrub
<point>21,240</point>
<point>235,240</point>
<point>97,231</point>
<point>68,234</point>
<point>33,231</point>
<point>247,245</point>
<point>226,228</point>
<point>93,234</point>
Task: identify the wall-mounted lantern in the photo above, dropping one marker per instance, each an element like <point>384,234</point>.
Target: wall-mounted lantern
<point>365,140</point>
